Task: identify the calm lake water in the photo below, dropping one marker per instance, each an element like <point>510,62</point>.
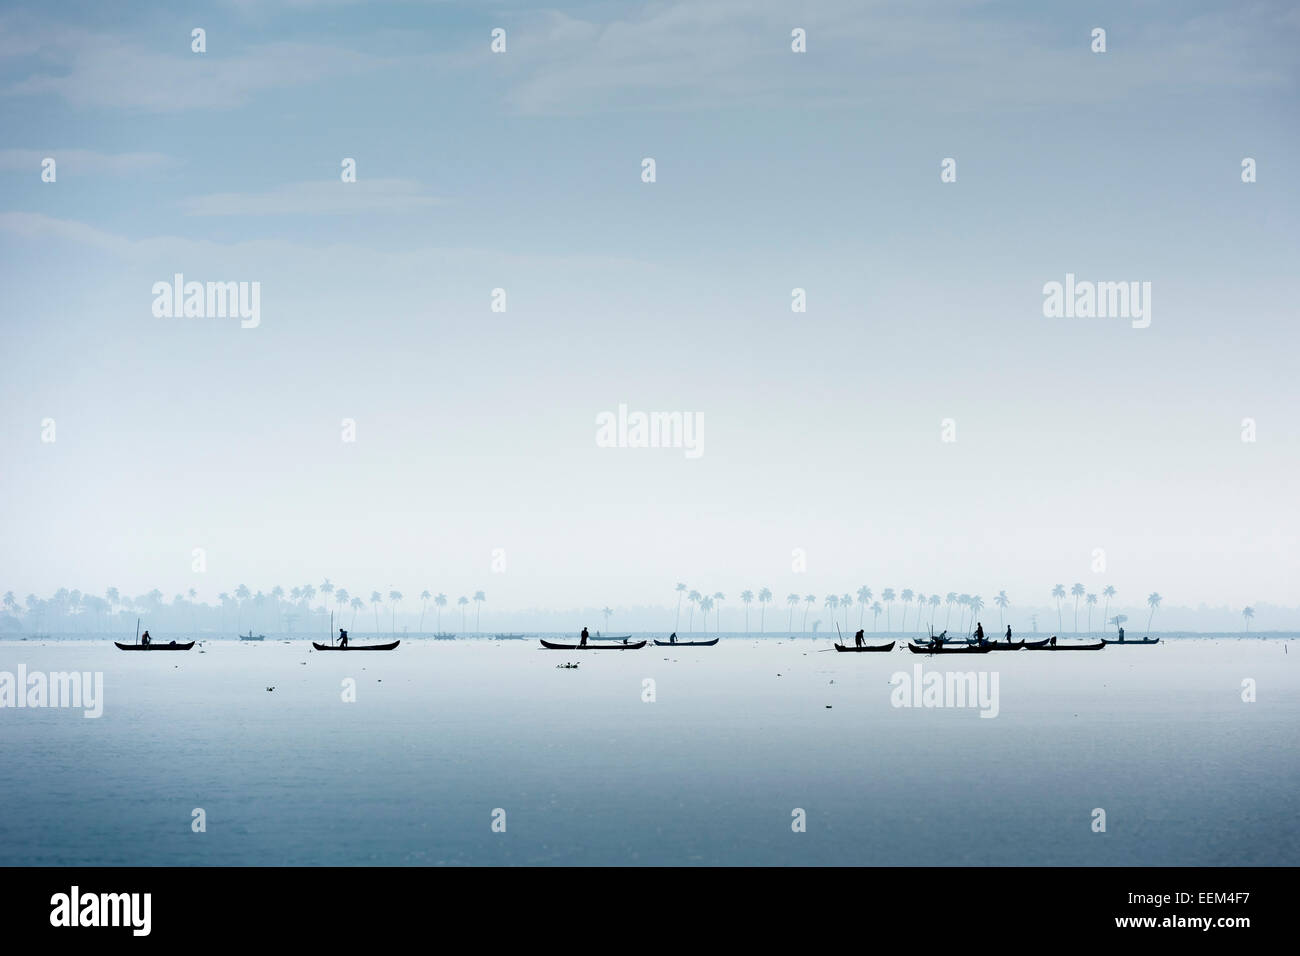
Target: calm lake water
<point>587,772</point>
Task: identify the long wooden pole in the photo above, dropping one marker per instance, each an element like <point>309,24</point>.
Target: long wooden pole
<point>137,630</point>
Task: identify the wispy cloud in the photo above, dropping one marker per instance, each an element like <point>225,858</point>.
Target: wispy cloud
<point>317,198</point>
<point>82,162</point>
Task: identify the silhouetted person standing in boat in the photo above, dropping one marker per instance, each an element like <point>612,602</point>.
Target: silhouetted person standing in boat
<point>1121,635</point>
<point>857,639</point>
<point>672,638</point>
<point>343,638</point>
<point>1008,633</point>
<point>1053,641</point>
<point>146,640</point>
<point>583,642</point>
<point>979,633</point>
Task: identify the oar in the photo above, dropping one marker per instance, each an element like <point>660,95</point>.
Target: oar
<point>137,630</point>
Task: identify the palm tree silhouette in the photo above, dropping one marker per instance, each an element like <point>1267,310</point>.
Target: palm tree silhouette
<point>935,601</point>
<point>864,598</point>
<point>463,602</point>
<point>1077,590</point>
<point>680,589</point>
<point>907,599</point>
<point>1091,601</point>
<point>396,598</point>
<point>963,601</point>
<point>607,611</point>
<point>920,609</point>
<point>887,595</point>
<point>440,602</point>
<point>1248,613</point>
<point>706,605</point>
<point>223,597</point>
<point>1058,592</point>
<point>1003,602</point>
<point>764,596</point>
<point>951,599</point>
<point>793,601</point>
<point>375,600</point>
<point>479,598</point>
<point>356,604</point>
<point>846,602</point>
<point>809,601</point>
<point>746,598</point>
<point>875,616</point>
<point>1109,592</point>
<point>719,597</point>
<point>976,605</point>
<point>831,603</point>
<point>341,598</point>
<point>694,597</point>
<point>1153,600</point>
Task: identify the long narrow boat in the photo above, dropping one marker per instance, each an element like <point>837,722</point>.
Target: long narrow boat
<point>355,647</point>
<point>609,637</point>
<point>659,643</point>
<point>249,637</point>
<point>173,646</point>
<point>1068,647</point>
<point>510,637</point>
<point>866,647</point>
<point>1145,640</point>
<point>963,649</point>
<point>1030,645</point>
<point>592,647</point>
<point>1005,645</point>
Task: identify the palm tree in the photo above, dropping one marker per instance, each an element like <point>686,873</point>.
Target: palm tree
<point>1058,592</point>
<point>920,609</point>
<point>976,605</point>
<point>864,598</point>
<point>424,606</point>
<point>1003,602</point>
<point>479,598</point>
<point>223,597</point>
<point>809,601</point>
<point>717,619</point>
<point>935,601</point>
<point>607,611</point>
<point>694,597</point>
<point>680,589</point>
<point>396,598</point>
<point>887,595</point>
<point>462,602</point>
<point>875,616</point>
<point>440,601</point>
<point>341,599</point>
<point>1247,613</point>
<point>764,596</point>
<point>1153,600</point>
<point>951,599</point>
<point>831,603</point>
<point>706,605</point>
<point>846,602</point>
<point>376,599</point>
<point>1077,590</point>
<point>963,601</point>
<point>1091,601</point>
<point>793,601</point>
<point>356,604</point>
<point>907,599</point>
<point>746,598</point>
<point>1109,592</point>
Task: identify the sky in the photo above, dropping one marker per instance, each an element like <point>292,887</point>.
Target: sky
<point>823,464</point>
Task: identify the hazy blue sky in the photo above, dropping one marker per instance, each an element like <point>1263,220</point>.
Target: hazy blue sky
<point>775,170</point>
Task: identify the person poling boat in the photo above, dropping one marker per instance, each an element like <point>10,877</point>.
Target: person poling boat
<point>343,638</point>
<point>583,641</point>
<point>858,640</point>
<point>672,638</point>
<point>146,640</point>
<point>1008,633</point>
<point>979,633</point>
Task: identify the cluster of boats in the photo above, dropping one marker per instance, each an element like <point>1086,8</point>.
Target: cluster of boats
<point>971,646</point>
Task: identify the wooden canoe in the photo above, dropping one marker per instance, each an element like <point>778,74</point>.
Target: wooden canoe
<point>945,649</point>
<point>592,647</point>
<point>355,647</point>
<point>1068,647</point>
<point>1145,640</point>
<point>173,646</point>
<point>866,647</point>
<point>659,643</point>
